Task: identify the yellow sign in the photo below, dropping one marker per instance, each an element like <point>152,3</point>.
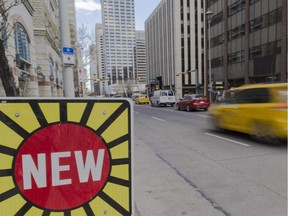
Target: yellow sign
<point>65,157</point>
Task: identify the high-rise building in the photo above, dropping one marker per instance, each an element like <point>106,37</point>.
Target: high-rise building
<point>118,20</point>
<point>140,57</point>
<point>248,41</point>
<point>175,44</point>
<point>100,57</point>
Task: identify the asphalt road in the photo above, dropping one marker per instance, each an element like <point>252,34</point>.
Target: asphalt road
<point>237,176</point>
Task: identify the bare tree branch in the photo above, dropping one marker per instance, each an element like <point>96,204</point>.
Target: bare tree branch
<point>85,39</point>
<point>5,7</point>
<point>6,74</point>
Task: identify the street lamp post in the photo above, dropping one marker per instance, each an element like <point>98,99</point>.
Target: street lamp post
<point>196,79</point>
<point>209,17</point>
<point>179,84</point>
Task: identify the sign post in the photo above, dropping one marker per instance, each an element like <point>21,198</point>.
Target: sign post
<point>71,156</point>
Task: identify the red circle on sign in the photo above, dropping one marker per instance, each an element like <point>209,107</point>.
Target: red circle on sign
<point>62,166</point>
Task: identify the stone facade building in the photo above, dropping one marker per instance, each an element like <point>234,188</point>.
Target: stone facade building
<point>48,49</point>
<point>19,43</point>
<point>33,47</point>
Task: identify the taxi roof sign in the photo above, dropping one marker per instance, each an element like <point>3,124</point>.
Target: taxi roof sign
<point>52,150</point>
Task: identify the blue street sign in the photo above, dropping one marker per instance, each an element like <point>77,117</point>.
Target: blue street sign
<point>68,51</point>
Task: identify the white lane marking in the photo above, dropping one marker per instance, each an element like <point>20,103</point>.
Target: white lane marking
<point>229,140</point>
<point>205,116</point>
<point>158,119</point>
<point>160,108</point>
<point>168,110</point>
<point>136,112</point>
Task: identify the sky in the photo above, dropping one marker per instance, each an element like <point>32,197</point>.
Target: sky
<point>88,12</point>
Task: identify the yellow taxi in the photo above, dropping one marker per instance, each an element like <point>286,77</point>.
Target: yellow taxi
<point>256,109</point>
<point>142,99</point>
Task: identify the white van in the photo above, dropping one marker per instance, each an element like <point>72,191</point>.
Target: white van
<point>163,97</point>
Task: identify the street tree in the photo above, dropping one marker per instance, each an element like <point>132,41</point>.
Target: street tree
<point>6,74</point>
<point>84,41</point>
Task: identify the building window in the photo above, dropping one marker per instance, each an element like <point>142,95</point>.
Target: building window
<point>217,18</point>
<point>22,42</point>
<point>218,40</point>
<point>253,1</point>
<point>237,32</point>
<point>51,67</point>
<point>217,62</point>
<point>236,57</point>
<point>266,20</point>
<point>269,49</point>
<point>236,7</point>
<point>57,72</point>
<point>255,52</point>
<point>256,24</point>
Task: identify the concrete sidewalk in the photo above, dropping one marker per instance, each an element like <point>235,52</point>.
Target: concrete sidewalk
<point>160,191</point>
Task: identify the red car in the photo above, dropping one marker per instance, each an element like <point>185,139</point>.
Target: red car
<point>193,102</point>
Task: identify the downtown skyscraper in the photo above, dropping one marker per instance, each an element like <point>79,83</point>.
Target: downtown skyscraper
<point>175,43</point>
<point>118,22</point>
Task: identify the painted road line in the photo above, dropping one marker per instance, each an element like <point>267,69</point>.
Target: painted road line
<point>229,140</point>
<point>136,112</point>
<point>205,116</point>
<point>168,110</point>
<point>158,119</point>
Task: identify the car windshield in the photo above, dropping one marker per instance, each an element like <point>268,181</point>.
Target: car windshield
<point>164,94</point>
<point>170,93</point>
<point>197,97</point>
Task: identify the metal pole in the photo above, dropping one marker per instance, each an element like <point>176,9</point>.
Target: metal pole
<point>210,76</point>
<point>197,83</point>
<point>68,76</point>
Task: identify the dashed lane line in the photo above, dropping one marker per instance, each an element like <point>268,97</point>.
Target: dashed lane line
<point>229,140</point>
<point>205,116</point>
<point>158,119</point>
